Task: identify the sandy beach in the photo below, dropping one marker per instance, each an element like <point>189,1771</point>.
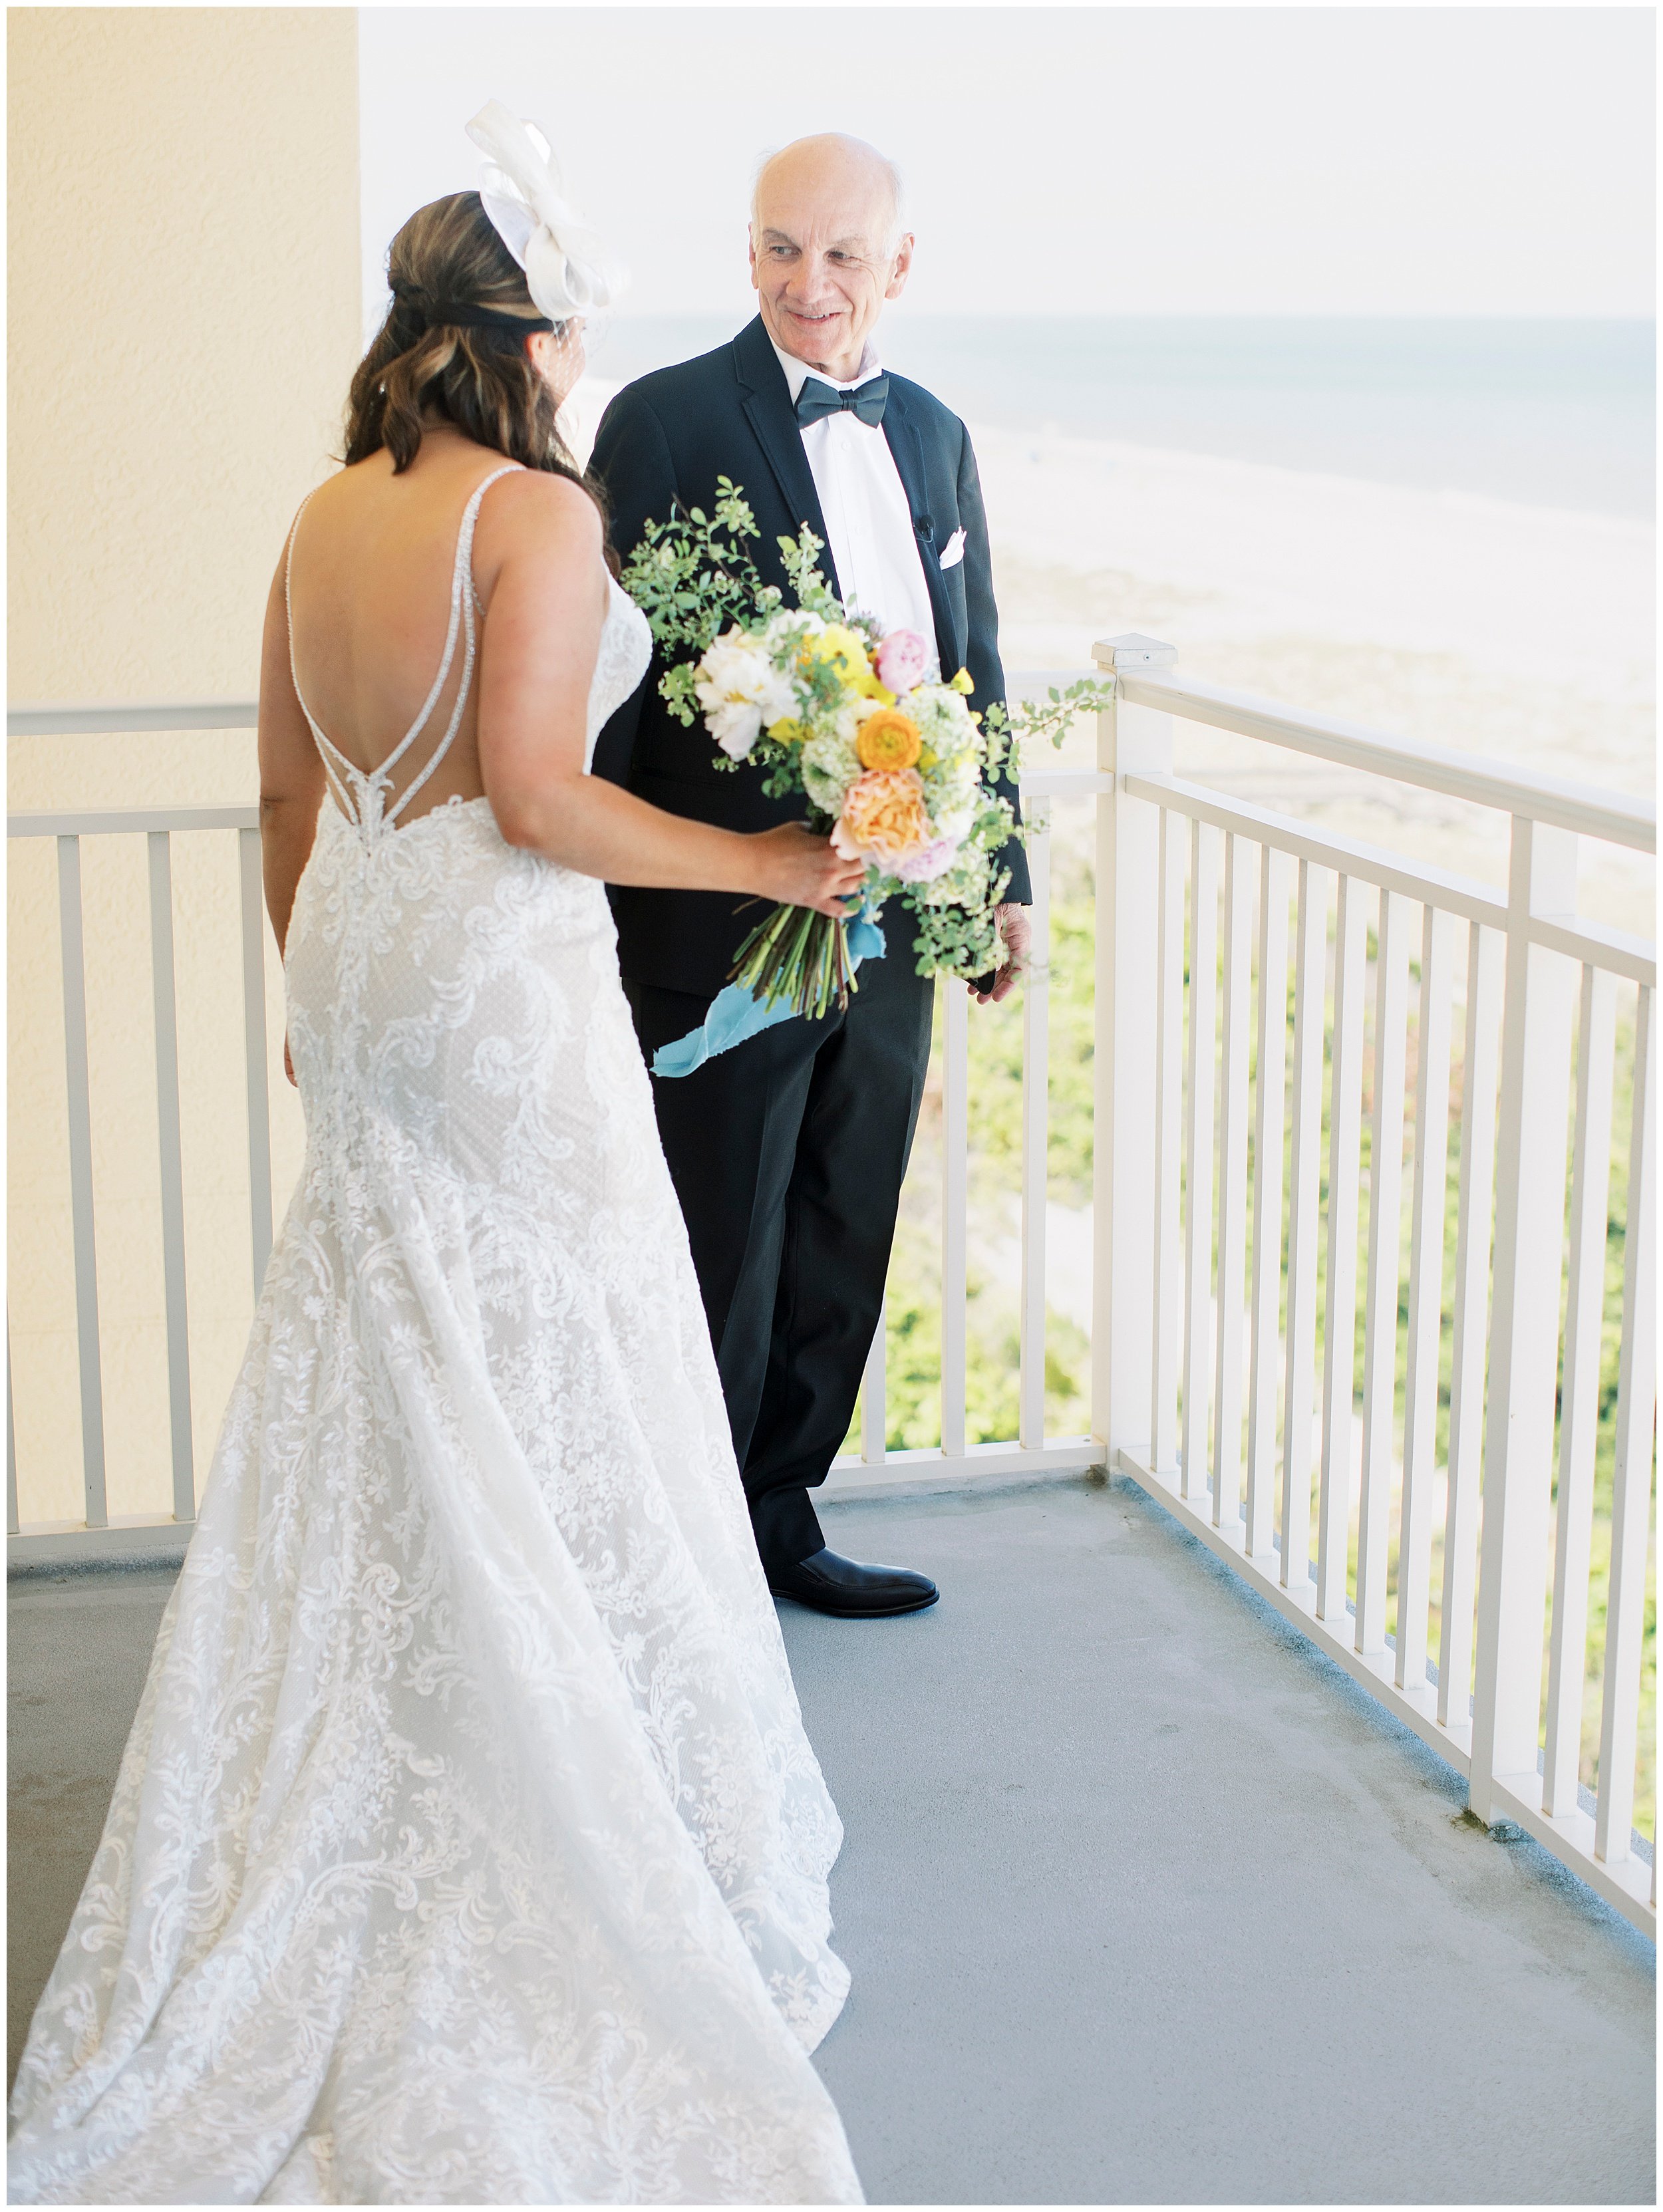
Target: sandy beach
<point>1255,552</point>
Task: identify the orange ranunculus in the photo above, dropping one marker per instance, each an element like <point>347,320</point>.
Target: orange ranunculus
<point>888,739</point>
<point>884,814</point>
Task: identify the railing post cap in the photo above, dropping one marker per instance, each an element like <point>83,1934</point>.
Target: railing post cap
<point>1134,650</point>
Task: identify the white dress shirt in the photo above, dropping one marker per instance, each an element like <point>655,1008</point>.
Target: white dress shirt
<point>869,520</point>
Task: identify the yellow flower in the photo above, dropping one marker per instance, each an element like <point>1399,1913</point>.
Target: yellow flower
<point>961,682</point>
<point>837,643</point>
<point>788,730</point>
<point>883,812</point>
<point>888,739</point>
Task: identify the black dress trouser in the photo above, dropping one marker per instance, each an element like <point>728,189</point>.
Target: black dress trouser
<point>788,1154</point>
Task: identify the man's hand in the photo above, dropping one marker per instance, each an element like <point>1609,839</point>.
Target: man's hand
<point>1017,931</point>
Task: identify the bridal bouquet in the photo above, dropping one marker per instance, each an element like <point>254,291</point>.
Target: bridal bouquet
<point>823,703</point>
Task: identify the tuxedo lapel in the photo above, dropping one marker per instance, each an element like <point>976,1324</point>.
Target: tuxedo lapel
<point>766,398</point>
<point>907,447</point>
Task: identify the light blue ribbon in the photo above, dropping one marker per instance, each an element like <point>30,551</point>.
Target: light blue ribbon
<point>735,1015</point>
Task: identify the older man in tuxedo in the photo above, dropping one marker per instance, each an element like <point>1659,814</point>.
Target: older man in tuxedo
<point>789,1151</point>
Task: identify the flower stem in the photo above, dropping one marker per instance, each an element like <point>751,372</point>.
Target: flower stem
<point>798,959</point>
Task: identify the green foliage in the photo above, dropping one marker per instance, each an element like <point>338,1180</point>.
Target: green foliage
<point>799,555</point>
<point>912,1351</point>
<point>958,940</point>
<point>692,578</point>
<point>1053,717</point>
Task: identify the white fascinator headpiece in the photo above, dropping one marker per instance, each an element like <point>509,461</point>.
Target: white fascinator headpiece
<point>568,269</point>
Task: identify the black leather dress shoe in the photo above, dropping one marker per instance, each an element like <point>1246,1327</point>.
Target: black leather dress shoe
<point>831,1584</point>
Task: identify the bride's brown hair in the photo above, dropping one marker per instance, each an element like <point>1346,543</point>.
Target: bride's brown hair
<point>477,376</point>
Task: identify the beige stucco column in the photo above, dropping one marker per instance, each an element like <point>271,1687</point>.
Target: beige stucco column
<point>184,319</point>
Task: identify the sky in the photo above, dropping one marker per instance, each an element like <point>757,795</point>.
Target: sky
<point>1162,160</point>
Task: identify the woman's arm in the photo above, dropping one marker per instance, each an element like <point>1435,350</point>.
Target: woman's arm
<point>547,604</point>
<point>291,776</point>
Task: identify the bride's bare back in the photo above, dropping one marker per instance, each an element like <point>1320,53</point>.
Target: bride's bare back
<point>366,604</point>
<point>372,616</point>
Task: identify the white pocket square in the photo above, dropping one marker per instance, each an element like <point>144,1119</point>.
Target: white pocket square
<point>953,551</point>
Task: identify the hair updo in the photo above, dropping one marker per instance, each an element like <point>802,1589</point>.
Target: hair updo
<point>477,376</point>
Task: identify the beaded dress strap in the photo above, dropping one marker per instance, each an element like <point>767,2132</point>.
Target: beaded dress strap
<point>361,791</point>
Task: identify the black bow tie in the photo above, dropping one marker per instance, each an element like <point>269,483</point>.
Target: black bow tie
<point>867,400</point>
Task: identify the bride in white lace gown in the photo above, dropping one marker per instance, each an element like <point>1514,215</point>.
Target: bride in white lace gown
<point>467,1847</point>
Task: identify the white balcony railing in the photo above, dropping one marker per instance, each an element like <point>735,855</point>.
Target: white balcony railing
<point>1239,1034</point>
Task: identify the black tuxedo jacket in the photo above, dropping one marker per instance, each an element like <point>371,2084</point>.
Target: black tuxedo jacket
<point>667,438</point>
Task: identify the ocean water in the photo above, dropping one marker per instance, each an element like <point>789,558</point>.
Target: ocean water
<point>1554,414</point>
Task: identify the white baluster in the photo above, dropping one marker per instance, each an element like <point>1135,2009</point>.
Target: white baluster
<point>955,1158</point>
<point>1466,1396</point>
<point>1380,1355</point>
<point>1270,1121</point>
<point>1305,1210</point>
<point>1036,1063</point>
<point>1131,741</point>
<point>1340,1323</point>
<point>1631,1494</point>
<point>173,1175</point>
<point>1579,1403</point>
<point>1168,1300</point>
<point>1205,854</point>
<point>1426,1275</point>
<point>873,1396</point>
<point>81,1180</point>
<point>1238,872</point>
<point>11,1444</point>
<point>253,1032</point>
<point>1524,1324</point>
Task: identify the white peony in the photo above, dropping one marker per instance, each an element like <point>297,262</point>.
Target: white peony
<point>778,697</point>
<point>738,686</point>
<point>736,725</point>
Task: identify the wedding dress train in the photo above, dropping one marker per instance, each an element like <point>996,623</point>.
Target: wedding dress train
<point>467,1847</point>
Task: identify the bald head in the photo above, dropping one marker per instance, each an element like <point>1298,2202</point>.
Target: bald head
<point>833,166</point>
<point>827,247</point>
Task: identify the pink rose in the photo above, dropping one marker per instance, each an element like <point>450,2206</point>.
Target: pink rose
<point>937,858</point>
<point>901,659</point>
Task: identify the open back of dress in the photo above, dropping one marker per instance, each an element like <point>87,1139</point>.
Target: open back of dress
<point>363,794</point>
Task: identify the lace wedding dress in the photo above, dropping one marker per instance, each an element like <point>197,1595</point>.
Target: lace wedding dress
<point>467,1847</point>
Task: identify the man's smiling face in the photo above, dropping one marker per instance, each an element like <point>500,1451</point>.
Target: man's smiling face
<point>826,249</point>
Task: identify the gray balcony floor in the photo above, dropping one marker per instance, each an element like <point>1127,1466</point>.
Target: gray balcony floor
<point>1145,1902</point>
